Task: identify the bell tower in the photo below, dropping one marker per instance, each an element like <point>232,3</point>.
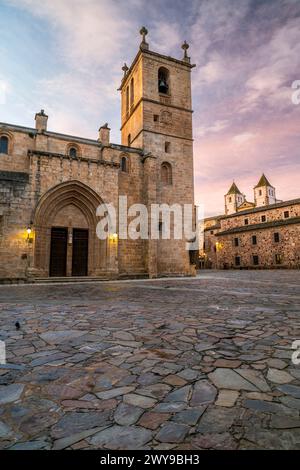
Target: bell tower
<point>156,116</point>
<point>233,199</point>
<point>264,192</point>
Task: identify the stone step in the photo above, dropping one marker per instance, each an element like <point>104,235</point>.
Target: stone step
<point>81,279</point>
<point>51,280</point>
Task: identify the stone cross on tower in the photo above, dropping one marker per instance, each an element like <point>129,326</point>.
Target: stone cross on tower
<point>125,69</point>
<point>185,47</point>
<point>144,32</point>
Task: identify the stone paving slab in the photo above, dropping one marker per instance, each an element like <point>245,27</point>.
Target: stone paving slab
<point>201,363</point>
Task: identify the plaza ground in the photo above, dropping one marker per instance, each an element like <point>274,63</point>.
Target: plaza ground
<point>199,363</point>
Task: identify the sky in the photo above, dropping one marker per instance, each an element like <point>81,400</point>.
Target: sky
<point>65,56</point>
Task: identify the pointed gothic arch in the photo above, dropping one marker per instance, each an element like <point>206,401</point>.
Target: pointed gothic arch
<point>60,200</point>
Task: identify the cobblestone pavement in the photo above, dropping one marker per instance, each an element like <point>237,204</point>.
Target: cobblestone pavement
<point>199,363</point>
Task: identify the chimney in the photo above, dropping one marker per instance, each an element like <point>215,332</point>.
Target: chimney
<point>104,134</point>
<point>41,121</point>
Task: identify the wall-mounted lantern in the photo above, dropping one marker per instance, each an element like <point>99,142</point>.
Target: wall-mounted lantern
<point>113,237</point>
<point>29,234</point>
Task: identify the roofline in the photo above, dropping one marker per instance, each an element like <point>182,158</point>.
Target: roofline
<point>18,128</point>
<point>262,208</point>
<point>262,226</point>
<point>212,227</point>
<point>156,54</point>
<point>212,217</point>
<point>71,138</point>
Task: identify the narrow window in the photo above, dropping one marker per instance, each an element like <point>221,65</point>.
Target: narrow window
<point>237,260</point>
<point>155,117</point>
<point>278,259</point>
<point>129,140</point>
<point>167,147</point>
<point>229,199</point>
<point>211,232</point>
<point>259,192</point>
<point>127,100</point>
<point>254,240</point>
<point>263,218</point>
<point>255,260</point>
<point>276,237</point>
<point>236,242</point>
<point>73,152</point>
<point>131,92</point>
<point>124,166</point>
<point>163,81</point>
<point>166,173</point>
<point>286,214</point>
<point>246,221</point>
<point>4,144</point>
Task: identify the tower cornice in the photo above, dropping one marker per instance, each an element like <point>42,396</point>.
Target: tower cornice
<point>147,52</point>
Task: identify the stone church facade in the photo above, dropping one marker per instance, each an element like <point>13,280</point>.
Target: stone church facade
<point>260,234</point>
<point>51,184</point>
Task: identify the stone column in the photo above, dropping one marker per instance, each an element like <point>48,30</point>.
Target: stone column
<point>150,197</point>
<point>112,255</point>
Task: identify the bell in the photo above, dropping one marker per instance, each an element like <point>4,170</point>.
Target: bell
<point>163,86</point>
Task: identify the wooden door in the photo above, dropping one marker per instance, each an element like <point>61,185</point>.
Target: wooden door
<point>80,252</point>
<point>58,251</point>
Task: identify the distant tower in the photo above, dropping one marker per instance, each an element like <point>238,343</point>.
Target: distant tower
<point>233,199</point>
<point>264,193</point>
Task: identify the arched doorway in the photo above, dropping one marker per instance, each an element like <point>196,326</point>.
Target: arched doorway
<point>65,233</point>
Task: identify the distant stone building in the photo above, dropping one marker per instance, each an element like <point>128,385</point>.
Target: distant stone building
<point>260,234</point>
<point>51,184</point>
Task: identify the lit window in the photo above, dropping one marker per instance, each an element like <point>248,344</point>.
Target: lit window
<point>4,144</point>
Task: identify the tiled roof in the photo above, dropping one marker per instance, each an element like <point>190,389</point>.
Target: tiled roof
<point>234,189</point>
<point>263,182</point>
<point>262,208</point>
<point>264,225</point>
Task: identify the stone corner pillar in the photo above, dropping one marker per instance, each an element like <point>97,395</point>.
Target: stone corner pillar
<point>150,197</point>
